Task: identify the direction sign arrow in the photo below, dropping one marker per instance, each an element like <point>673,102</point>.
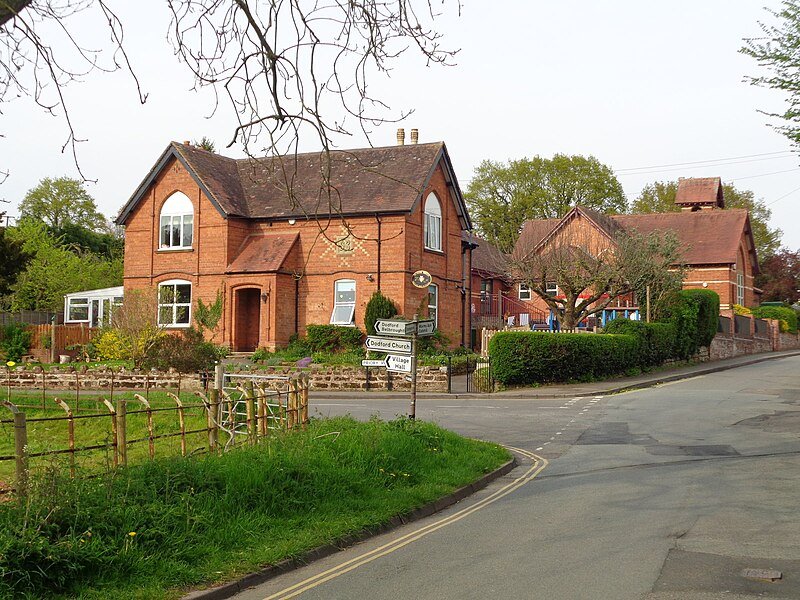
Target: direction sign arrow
<point>399,364</point>
<point>388,344</point>
<point>395,327</point>
<point>426,327</point>
<point>373,362</point>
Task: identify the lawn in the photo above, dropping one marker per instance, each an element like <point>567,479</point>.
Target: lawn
<point>159,527</point>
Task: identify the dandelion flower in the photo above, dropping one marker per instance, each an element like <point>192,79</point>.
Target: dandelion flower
<point>10,363</point>
<point>131,533</point>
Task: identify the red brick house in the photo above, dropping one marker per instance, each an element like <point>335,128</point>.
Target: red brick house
<point>718,246</point>
<point>299,240</point>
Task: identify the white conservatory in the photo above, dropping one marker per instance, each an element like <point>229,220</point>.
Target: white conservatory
<point>92,307</point>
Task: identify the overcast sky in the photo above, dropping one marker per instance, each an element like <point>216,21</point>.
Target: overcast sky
<point>642,86</point>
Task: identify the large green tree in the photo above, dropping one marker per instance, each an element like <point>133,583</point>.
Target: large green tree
<point>60,203</point>
<point>660,197</point>
<point>778,49</point>
<point>54,270</point>
<point>12,262</point>
<point>502,196</point>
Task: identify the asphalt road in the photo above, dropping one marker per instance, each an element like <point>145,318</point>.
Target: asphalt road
<point>660,494</point>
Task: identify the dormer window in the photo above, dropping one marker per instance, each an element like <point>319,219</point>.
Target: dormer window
<point>177,223</point>
<point>433,223</point>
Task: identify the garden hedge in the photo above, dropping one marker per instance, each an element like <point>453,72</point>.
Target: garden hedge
<point>781,313</point>
<point>656,341</point>
<point>332,338</point>
<point>524,358</point>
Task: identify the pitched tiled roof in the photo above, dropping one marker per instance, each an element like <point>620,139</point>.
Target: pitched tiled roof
<point>708,236</point>
<point>700,191</point>
<point>370,180</point>
<point>262,253</point>
<point>487,257</point>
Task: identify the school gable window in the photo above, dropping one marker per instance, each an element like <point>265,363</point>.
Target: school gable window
<point>433,223</point>
<point>177,223</point>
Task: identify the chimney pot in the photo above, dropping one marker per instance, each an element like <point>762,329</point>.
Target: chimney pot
<point>401,136</point>
<point>187,143</point>
<point>414,136</point>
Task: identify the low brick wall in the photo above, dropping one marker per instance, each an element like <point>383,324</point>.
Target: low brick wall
<point>751,337</point>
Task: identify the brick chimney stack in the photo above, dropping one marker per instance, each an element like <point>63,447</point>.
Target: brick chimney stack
<point>401,136</point>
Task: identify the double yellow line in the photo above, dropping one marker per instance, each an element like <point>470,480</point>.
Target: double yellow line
<point>537,467</point>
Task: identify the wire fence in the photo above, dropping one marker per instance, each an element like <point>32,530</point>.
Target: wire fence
<point>133,428</point>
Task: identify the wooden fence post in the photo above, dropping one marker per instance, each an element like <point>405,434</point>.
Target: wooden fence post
<point>181,421</point>
<point>261,407</point>
<point>211,417</point>
<point>249,401</point>
<point>291,407</point>
<point>122,431</point>
<point>20,449</point>
<point>114,438</point>
<point>149,410</point>
<point>70,435</point>
<point>304,414</point>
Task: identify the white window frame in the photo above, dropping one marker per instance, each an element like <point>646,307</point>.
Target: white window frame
<point>433,223</point>
<point>524,292</point>
<point>174,304</point>
<point>176,223</point>
<point>343,305</point>
<point>435,305</point>
<point>740,288</point>
<point>551,288</point>
<point>72,303</point>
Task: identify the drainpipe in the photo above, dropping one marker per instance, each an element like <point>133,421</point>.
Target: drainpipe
<point>378,219</point>
<point>296,305</point>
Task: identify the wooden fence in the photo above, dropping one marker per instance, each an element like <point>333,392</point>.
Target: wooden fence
<point>222,428</point>
<point>64,339</point>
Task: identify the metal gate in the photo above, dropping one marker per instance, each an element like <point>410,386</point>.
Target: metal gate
<point>479,374</point>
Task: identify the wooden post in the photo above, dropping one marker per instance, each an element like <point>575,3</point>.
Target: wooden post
<point>261,399</point>
<point>70,435</point>
<point>413,414</point>
<point>181,421</point>
<point>151,440</point>
<point>211,417</point>
<point>249,401</point>
<point>648,304</point>
<point>114,443</point>
<point>291,408</point>
<point>20,449</point>
<point>122,431</point>
<point>304,415</point>
<point>53,339</point>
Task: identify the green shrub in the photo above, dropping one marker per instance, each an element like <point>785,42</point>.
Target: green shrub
<point>655,340</point>
<point>185,352</point>
<point>523,358</point>
<point>109,345</point>
<point>707,314</point>
<point>378,307</point>
<point>778,312</point>
<point>15,341</point>
<point>332,338</point>
<point>682,311</point>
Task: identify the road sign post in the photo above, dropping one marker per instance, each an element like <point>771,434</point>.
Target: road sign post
<point>413,414</point>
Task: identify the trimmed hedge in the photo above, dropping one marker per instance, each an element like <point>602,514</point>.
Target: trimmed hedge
<point>778,312</point>
<point>378,307</point>
<point>707,314</point>
<point>521,357</point>
<point>656,341</point>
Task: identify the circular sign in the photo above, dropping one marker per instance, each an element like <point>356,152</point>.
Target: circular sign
<point>421,279</point>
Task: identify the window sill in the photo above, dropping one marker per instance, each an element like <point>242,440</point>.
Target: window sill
<point>168,250</point>
<point>434,251</point>
<point>174,325</point>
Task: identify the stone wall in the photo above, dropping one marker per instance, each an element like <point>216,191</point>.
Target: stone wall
<point>429,379</point>
<point>747,340</point>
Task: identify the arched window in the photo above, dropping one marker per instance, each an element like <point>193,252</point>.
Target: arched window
<point>174,303</point>
<point>433,223</point>
<point>177,222</point>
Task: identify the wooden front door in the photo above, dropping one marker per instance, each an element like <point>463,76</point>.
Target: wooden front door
<point>248,319</point>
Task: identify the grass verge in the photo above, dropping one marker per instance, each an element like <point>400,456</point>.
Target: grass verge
<point>152,530</point>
